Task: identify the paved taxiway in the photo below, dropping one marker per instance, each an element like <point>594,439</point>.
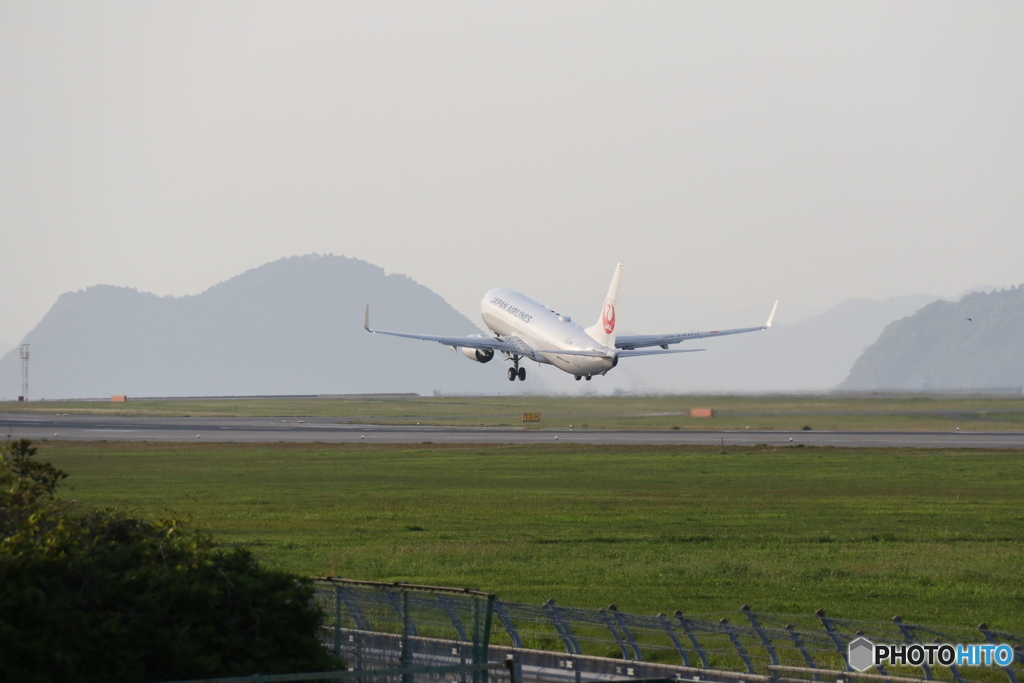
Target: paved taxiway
<point>329,430</point>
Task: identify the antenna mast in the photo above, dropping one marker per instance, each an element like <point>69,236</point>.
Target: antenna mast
<point>24,371</point>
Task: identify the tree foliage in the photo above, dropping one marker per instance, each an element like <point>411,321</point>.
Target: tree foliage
<point>101,596</point>
<point>29,479</point>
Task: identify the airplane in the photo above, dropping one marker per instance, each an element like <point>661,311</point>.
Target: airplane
<point>524,329</point>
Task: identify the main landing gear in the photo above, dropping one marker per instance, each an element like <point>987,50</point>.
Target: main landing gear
<point>516,371</point>
<point>579,377</point>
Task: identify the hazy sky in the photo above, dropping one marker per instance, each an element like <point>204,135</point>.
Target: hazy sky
<point>727,153</point>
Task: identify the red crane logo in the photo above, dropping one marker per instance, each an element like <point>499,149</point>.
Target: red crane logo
<point>608,317</point>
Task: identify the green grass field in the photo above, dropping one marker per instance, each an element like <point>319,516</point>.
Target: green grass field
<point>933,535</point>
<point>827,412</point>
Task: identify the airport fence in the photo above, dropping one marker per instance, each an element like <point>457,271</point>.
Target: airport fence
<point>401,633</point>
<point>395,626</point>
<point>387,625</point>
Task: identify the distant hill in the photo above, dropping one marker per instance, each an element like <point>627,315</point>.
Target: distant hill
<point>976,342</point>
<point>813,354</point>
<point>293,326</point>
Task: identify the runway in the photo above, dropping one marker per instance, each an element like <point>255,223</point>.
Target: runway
<point>329,430</point>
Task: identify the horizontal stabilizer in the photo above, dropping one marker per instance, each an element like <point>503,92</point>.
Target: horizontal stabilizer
<point>593,353</point>
<point>654,352</point>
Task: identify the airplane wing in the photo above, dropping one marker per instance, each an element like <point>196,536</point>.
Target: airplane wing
<point>636,341</point>
<point>470,342</point>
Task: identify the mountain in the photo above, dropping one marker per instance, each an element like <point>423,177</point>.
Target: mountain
<point>971,343</point>
<point>293,326</point>
<point>813,354</point>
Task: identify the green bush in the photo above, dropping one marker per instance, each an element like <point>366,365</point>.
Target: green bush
<point>101,596</point>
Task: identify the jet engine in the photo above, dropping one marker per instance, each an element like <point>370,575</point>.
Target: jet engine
<point>479,355</point>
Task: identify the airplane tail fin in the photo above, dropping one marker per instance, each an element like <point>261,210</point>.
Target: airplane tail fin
<point>603,331</point>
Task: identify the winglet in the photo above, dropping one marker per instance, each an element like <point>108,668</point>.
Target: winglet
<point>767,324</point>
<point>366,320</point>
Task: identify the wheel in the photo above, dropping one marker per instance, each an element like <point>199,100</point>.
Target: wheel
<point>512,375</point>
<point>588,378</point>
<point>522,374</point>
<point>578,378</point>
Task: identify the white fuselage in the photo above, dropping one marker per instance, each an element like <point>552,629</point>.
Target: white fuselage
<point>537,328</point>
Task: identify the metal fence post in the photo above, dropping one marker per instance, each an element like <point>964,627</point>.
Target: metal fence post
<point>671,633</point>
<point>476,643</point>
<point>879,666</point>
<point>446,605</point>
<point>834,635</point>
<point>358,616</point>
<point>763,636</point>
<point>991,640</point>
<point>515,671</point>
<point>685,623</point>
<point>908,638</point>
<point>728,628</point>
<point>337,621</point>
<point>614,631</point>
<point>563,629</point>
<point>352,604</point>
<point>803,649</point>
<point>406,622</point>
<point>638,655</point>
<point>401,607</point>
<point>506,621</point>
<point>953,669</point>
<point>481,635</point>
